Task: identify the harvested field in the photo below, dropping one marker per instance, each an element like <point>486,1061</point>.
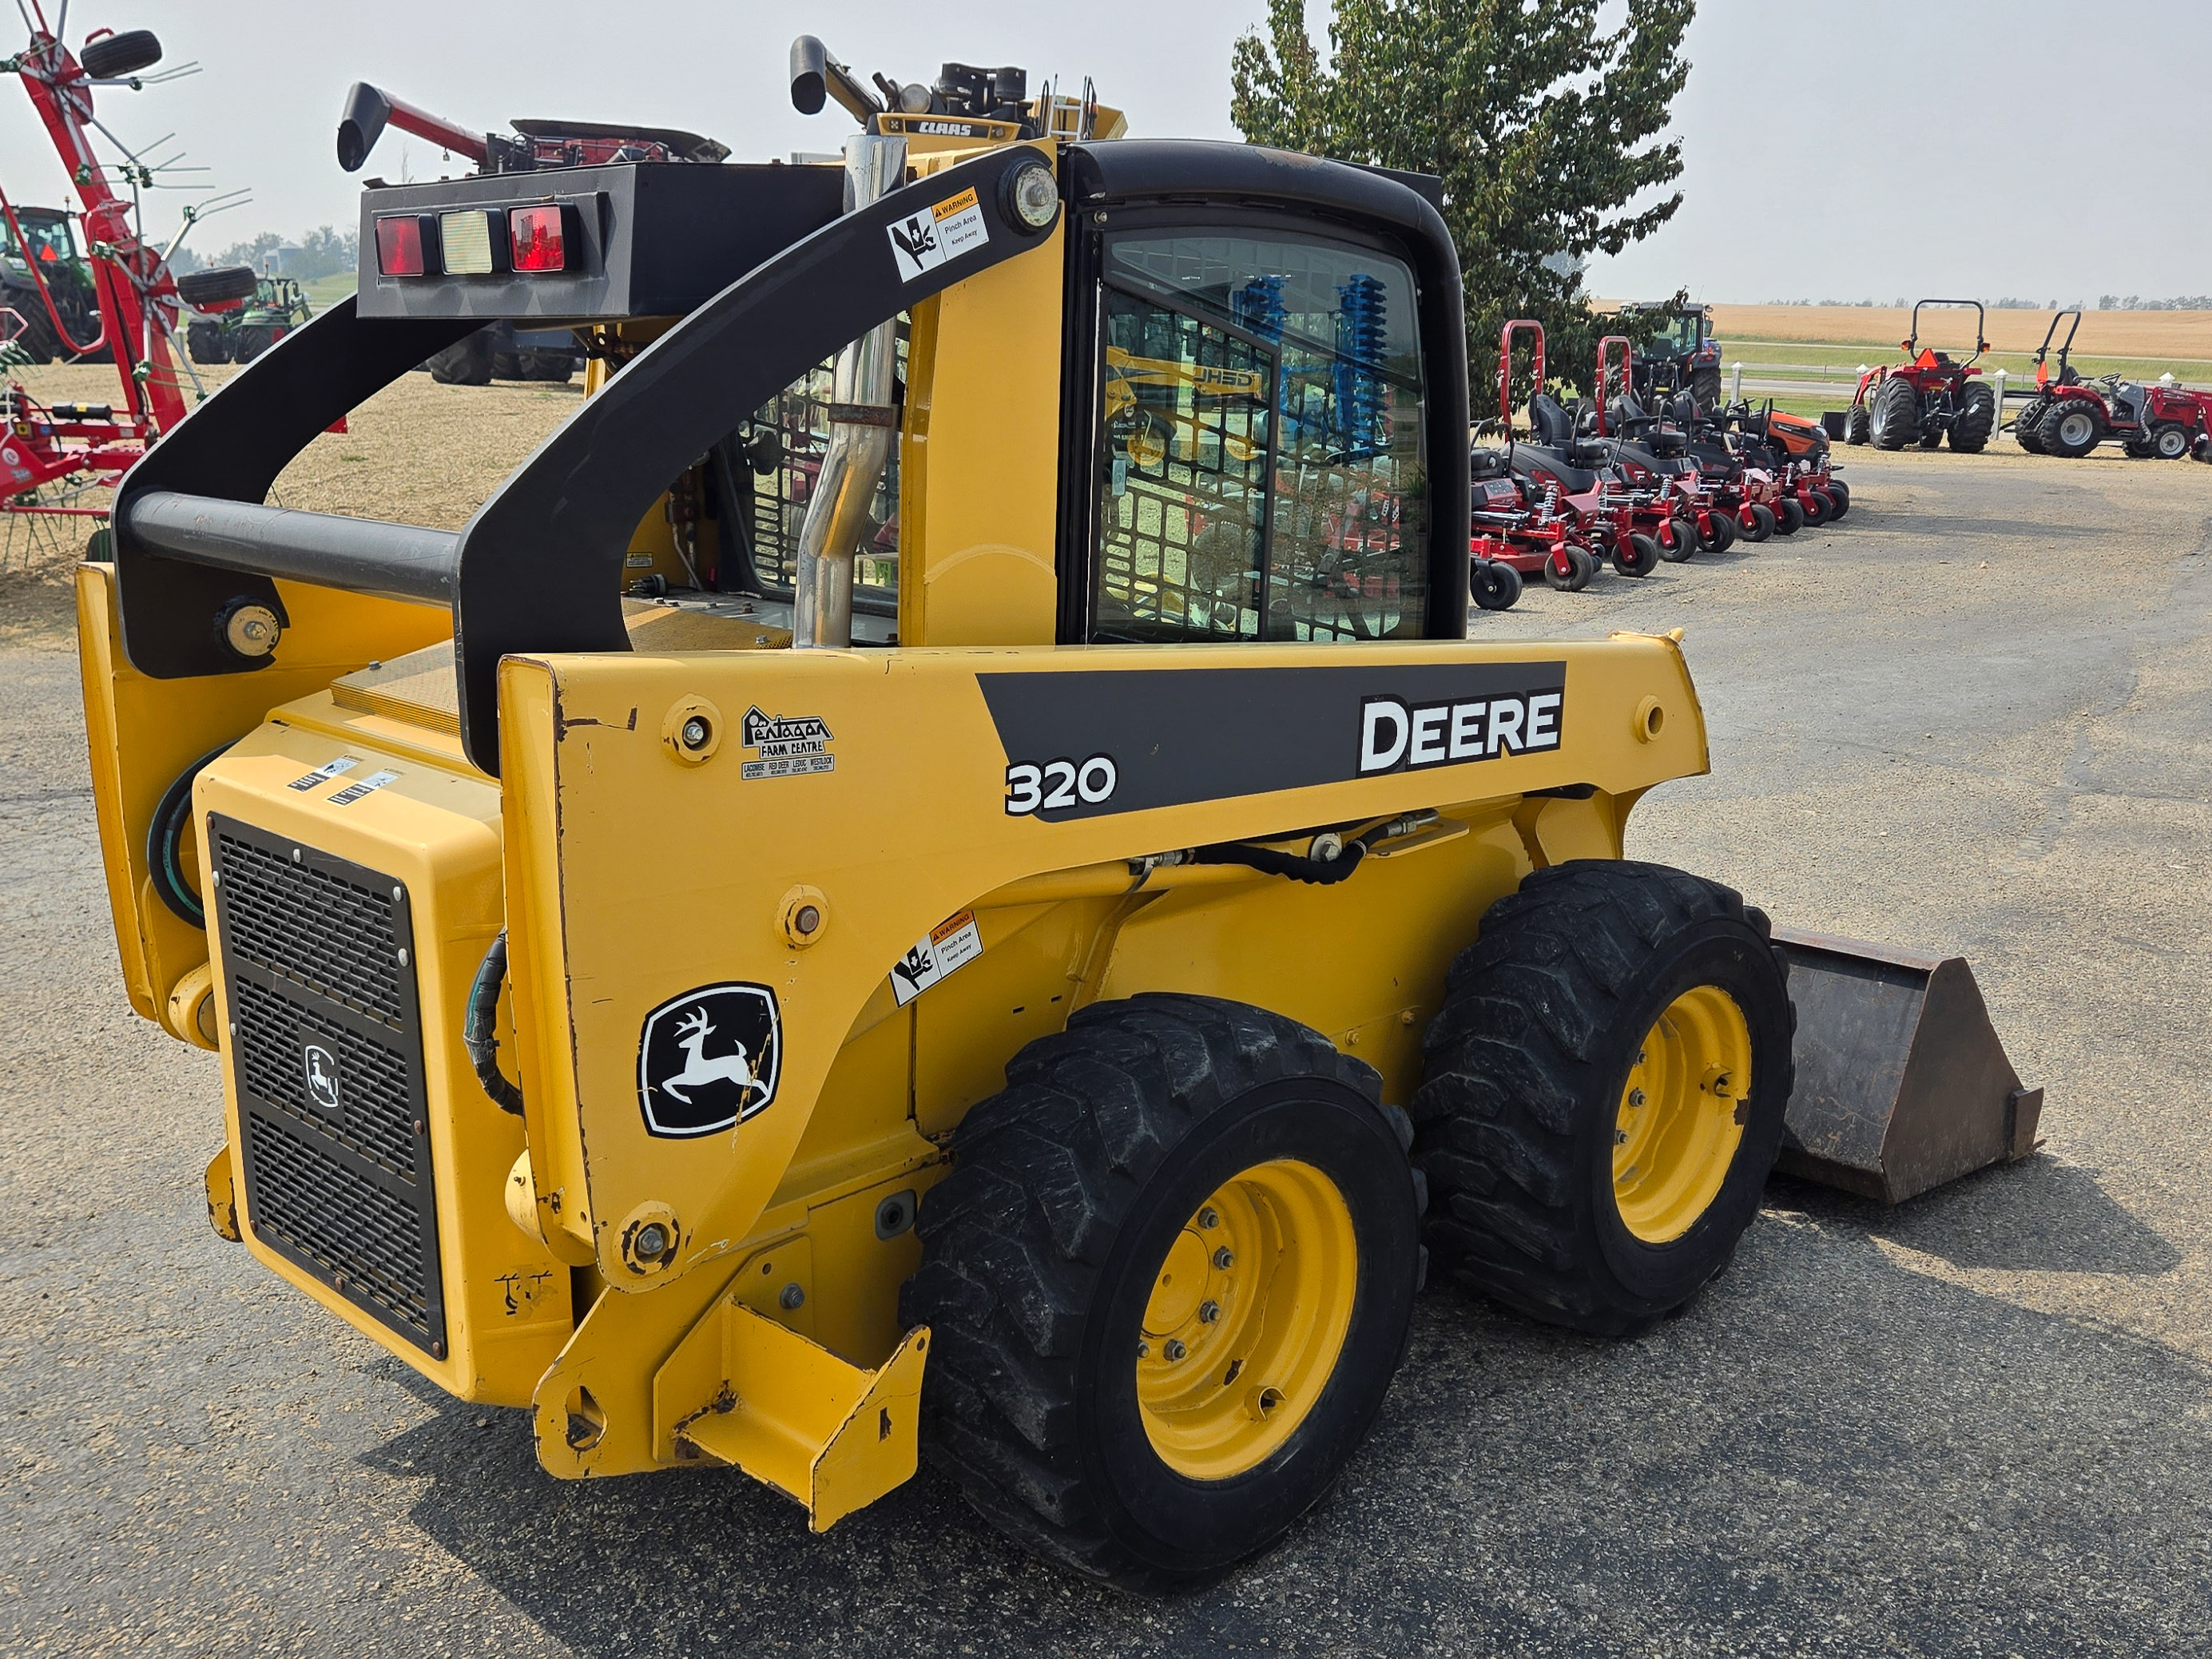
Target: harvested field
<point>2182,336</point>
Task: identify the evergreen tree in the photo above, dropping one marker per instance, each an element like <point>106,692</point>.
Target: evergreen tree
<point>1541,126</point>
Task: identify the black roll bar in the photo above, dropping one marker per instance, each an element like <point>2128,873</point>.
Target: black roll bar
<point>360,555</point>
<point>538,568</point>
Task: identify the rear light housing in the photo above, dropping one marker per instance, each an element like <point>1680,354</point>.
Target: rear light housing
<point>472,241</point>
<point>407,244</point>
<point>542,237</point>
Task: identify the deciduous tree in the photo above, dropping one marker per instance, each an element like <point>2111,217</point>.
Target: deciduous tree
<point>1544,127</point>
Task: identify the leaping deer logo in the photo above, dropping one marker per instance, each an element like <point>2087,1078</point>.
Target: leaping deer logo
<point>692,1032</point>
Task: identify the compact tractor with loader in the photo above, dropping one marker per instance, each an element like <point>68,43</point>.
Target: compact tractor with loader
<point>237,330</point>
<point>1676,353</point>
<point>1033,946</point>
<point>1927,396</point>
<point>2069,415</point>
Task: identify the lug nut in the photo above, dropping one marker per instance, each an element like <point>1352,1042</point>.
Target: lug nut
<point>1208,1312</point>
<point>1174,1349</point>
<point>1224,1258</point>
<point>1144,1349</point>
<point>1635,1096</point>
<point>1620,1137</point>
<point>1209,1217</point>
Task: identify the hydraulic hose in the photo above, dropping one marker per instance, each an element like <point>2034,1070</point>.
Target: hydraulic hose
<point>165,841</point>
<point>480,1030</point>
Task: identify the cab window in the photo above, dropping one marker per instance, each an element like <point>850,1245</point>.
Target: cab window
<point>1258,461</point>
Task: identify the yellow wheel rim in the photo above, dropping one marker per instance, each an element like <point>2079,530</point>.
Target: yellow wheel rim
<point>1679,1123</point>
<point>1247,1317</point>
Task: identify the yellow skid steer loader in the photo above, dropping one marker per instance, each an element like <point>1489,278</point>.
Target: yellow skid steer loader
<point>903,885</point>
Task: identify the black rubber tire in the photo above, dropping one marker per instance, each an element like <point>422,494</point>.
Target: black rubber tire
<point>1635,555</point>
<point>1724,533</point>
<point>217,285</point>
<point>1038,1254</point>
<point>208,342</point>
<point>553,367</point>
<point>115,56</point>
<point>2071,428</point>
<point>1789,517</point>
<point>250,341</point>
<point>1817,509</point>
<point>1857,424</point>
<point>1582,565</point>
<point>467,361</point>
<point>1686,536</point>
<point>1495,585</point>
<point>1893,414</point>
<point>2024,429</point>
<point>2169,443</point>
<point>37,342</point>
<point>1523,1070</point>
<point>1977,418</point>
<point>1840,494</point>
<point>1762,523</point>
<point>1705,387</point>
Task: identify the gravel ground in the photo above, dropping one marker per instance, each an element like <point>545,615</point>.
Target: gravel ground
<point>1970,718</point>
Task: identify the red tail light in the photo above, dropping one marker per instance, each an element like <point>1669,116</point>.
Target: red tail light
<point>399,245</point>
<point>539,237</point>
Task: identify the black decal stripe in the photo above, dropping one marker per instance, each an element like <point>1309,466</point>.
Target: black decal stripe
<point>1179,736</point>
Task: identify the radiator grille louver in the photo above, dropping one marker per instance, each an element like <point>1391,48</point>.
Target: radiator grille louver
<point>326,1055</point>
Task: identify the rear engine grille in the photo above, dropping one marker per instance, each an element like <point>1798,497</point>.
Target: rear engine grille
<point>326,1055</point>
<point>326,933</point>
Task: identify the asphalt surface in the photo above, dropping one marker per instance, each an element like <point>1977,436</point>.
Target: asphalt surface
<point>1970,718</point>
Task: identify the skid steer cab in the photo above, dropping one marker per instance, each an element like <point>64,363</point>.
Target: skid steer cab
<point>935,870</point>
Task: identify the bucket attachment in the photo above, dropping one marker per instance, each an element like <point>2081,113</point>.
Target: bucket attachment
<point>1902,1083</point>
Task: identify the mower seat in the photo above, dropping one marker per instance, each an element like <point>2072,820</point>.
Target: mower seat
<point>1538,462</point>
<point>1551,424</point>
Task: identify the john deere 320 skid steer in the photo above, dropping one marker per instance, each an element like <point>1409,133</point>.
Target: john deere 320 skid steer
<point>937,870</point>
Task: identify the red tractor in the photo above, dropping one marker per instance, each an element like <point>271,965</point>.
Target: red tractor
<point>2068,414</point>
<point>1925,397</point>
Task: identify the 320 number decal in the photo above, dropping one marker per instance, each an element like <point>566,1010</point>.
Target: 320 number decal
<point>1058,784</point>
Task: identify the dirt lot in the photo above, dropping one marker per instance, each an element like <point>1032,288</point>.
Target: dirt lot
<point>1972,717</point>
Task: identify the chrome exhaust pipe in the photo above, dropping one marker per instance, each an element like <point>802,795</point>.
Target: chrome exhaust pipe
<point>863,427</point>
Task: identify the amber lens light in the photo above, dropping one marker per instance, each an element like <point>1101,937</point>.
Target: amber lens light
<point>538,238</point>
<point>466,237</point>
<point>400,246</point>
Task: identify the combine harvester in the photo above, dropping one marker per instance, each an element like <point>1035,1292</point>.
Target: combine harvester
<point>837,1010</point>
<point>59,453</point>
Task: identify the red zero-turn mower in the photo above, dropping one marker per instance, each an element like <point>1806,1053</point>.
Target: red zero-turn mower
<point>1924,397</point>
<point>1521,523</point>
<point>2068,414</point>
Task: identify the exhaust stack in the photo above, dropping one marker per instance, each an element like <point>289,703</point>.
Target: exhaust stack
<point>863,426</point>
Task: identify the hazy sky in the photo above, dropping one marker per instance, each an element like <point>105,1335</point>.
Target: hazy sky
<point>1840,151</point>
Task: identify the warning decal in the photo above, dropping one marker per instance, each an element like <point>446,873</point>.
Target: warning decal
<point>950,946</point>
<point>922,242</point>
<point>326,772</point>
<point>368,786</point>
